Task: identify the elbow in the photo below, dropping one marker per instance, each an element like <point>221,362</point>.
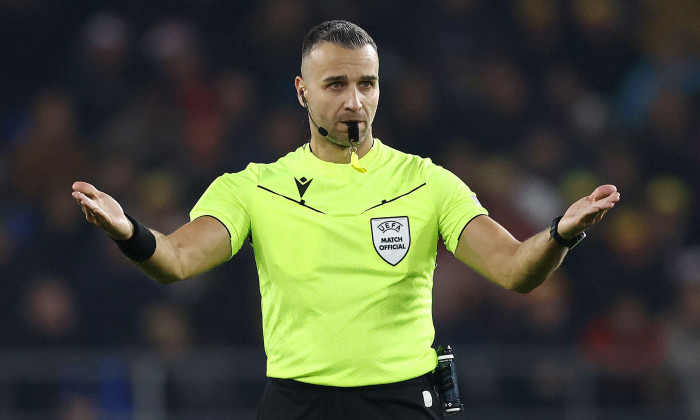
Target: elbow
<point>520,282</point>
<point>168,280</point>
<point>516,284</point>
<point>165,277</point>
<point>521,287</point>
<point>525,284</point>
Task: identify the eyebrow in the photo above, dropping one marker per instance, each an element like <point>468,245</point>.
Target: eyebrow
<point>332,79</point>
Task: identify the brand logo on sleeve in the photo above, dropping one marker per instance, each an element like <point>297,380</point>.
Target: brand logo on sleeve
<point>476,200</point>
<point>391,237</point>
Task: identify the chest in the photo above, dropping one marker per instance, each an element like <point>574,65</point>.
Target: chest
<point>383,222</point>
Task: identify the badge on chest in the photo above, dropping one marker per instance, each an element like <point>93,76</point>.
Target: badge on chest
<point>391,237</point>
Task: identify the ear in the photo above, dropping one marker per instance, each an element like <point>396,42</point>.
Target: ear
<point>300,87</point>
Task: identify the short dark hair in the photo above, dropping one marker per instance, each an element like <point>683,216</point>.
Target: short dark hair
<point>339,32</point>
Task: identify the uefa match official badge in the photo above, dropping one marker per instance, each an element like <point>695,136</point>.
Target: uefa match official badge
<point>391,237</point>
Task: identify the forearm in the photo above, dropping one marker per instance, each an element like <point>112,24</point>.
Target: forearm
<point>533,262</point>
<point>151,251</point>
<point>492,251</point>
<point>194,248</point>
<point>165,264</point>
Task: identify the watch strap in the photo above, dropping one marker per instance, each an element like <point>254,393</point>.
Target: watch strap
<point>554,234</point>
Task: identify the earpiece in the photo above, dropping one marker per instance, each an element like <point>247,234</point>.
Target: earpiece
<point>321,130</point>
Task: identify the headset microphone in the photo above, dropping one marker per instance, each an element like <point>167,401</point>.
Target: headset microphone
<point>322,131</point>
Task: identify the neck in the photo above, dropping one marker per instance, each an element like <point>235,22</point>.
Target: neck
<point>326,150</point>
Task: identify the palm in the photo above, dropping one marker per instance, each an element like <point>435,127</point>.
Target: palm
<point>588,211</point>
<point>102,210</point>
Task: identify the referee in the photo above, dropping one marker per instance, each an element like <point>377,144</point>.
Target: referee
<point>344,231</point>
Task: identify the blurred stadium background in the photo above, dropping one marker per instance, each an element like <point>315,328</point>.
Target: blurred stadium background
<point>531,102</point>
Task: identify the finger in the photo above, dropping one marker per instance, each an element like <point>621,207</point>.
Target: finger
<point>98,214</point>
<point>88,215</point>
<point>600,215</point>
<point>86,201</point>
<point>98,217</point>
<point>85,188</point>
<point>603,191</point>
<point>101,217</point>
<point>77,196</point>
<point>605,203</point>
<point>609,201</point>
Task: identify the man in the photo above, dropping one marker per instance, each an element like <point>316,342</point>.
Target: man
<point>344,231</point>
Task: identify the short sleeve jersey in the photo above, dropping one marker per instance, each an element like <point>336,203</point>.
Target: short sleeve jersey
<point>345,259</point>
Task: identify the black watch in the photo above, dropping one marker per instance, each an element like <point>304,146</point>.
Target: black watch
<point>554,234</point>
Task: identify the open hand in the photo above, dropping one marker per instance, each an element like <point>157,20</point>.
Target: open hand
<point>588,211</point>
<point>102,210</point>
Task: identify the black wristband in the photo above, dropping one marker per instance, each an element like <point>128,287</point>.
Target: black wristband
<point>142,244</point>
<point>554,234</point>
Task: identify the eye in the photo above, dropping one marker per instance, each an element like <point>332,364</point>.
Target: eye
<point>367,84</point>
<point>335,85</point>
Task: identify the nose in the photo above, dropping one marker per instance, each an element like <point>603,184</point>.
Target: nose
<point>352,100</point>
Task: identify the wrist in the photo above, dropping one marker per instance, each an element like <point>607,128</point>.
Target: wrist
<point>129,234</point>
<point>140,245</point>
<point>565,240</point>
<point>565,228</point>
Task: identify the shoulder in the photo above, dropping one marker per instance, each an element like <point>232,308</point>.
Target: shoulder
<point>286,163</point>
<point>256,170</point>
<point>403,162</point>
<point>439,180</point>
<point>251,172</point>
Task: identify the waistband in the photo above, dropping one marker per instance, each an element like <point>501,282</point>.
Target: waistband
<point>423,380</point>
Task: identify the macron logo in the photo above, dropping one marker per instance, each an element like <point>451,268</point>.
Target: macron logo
<point>302,185</point>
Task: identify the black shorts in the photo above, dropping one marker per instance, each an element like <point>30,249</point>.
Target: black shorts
<point>287,399</point>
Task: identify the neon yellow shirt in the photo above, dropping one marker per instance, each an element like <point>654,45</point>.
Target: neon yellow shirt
<point>345,259</point>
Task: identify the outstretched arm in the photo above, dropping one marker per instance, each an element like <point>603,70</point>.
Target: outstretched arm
<point>491,250</point>
<point>194,248</point>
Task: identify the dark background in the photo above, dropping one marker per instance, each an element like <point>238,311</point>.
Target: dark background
<point>532,103</point>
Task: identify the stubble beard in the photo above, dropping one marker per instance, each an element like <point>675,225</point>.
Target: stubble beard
<point>345,143</point>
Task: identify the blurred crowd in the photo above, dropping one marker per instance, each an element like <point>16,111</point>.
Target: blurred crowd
<point>532,103</point>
